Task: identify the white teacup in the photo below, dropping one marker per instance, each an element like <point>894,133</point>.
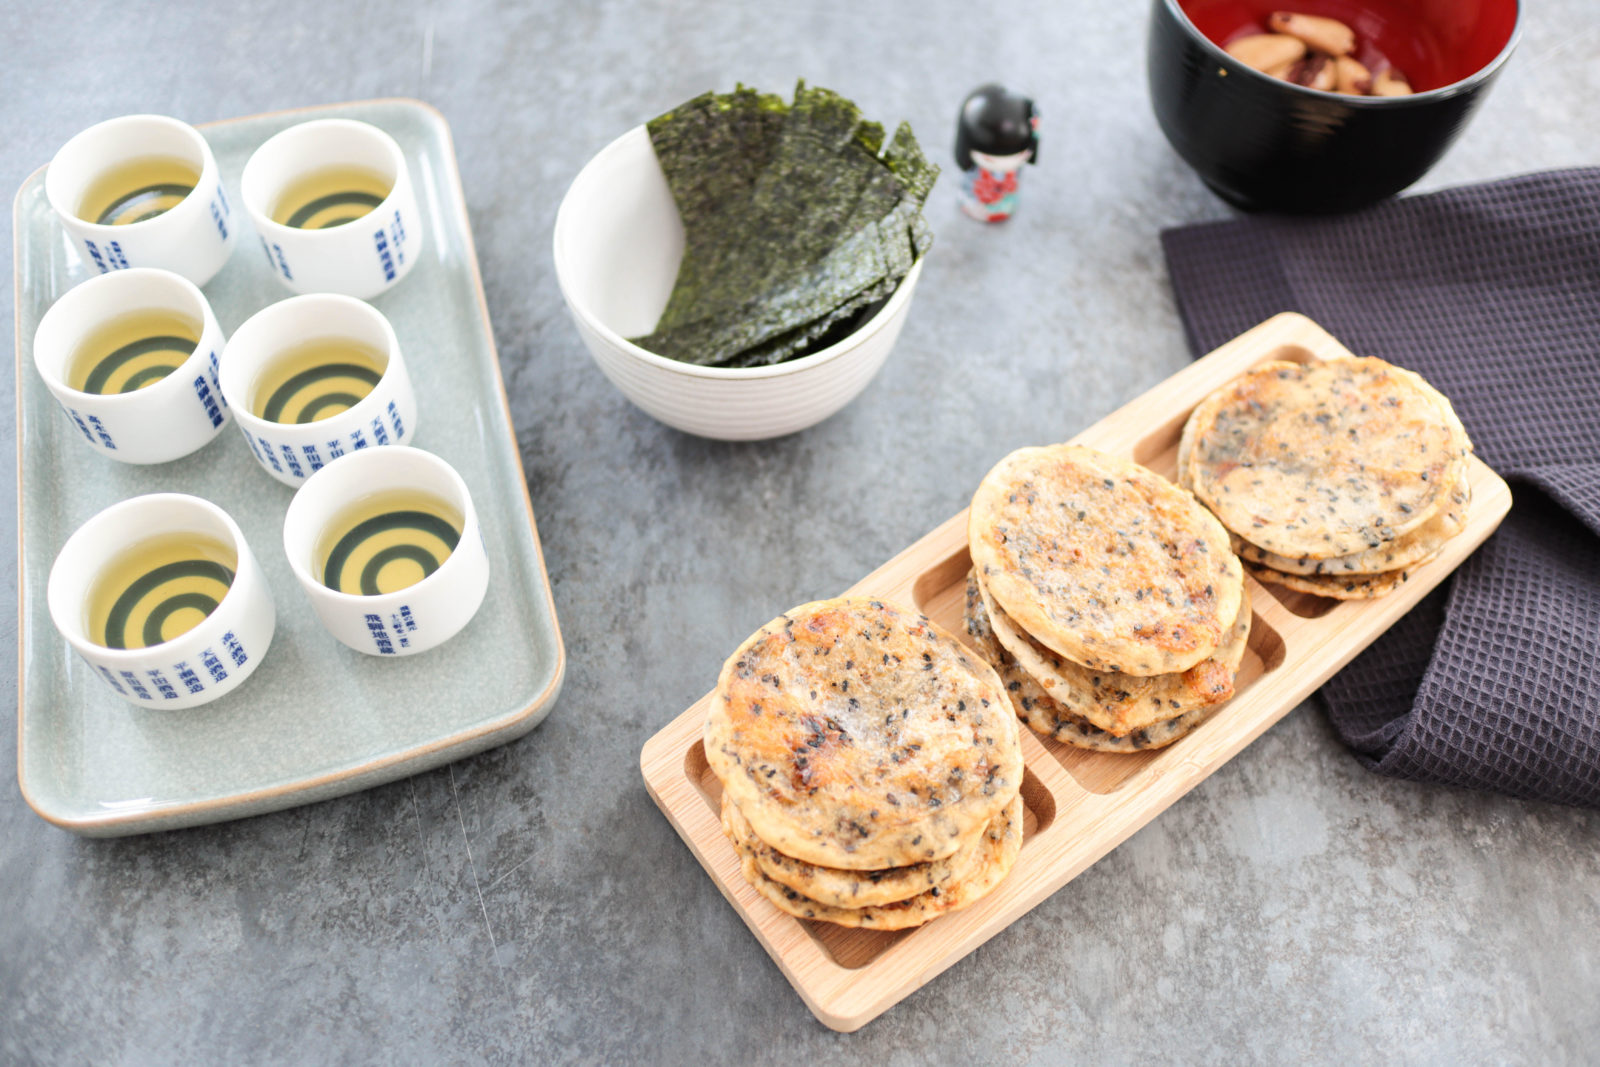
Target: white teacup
<point>193,237</point>
<point>415,617</point>
<point>366,247</point>
<point>193,667</point>
<point>291,451</point>
<point>156,422</point>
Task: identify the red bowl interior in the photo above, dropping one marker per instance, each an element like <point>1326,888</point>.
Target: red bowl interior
<point>1434,42</point>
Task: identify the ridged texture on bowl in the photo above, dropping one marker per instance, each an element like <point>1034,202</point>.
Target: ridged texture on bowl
<point>785,399</point>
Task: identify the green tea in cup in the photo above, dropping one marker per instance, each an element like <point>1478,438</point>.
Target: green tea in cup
<point>162,599</point>
<point>133,351</point>
<point>335,208</point>
<point>387,547</point>
<point>387,542</point>
<point>159,589</point>
<point>329,197</point>
<point>143,191</point>
<point>138,189</point>
<point>316,379</point>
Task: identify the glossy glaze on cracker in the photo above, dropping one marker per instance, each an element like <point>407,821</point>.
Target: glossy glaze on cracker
<point>855,734</point>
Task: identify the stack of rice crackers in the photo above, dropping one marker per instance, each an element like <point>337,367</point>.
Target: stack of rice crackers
<point>871,767</point>
<point>1337,477</point>
<point>1107,598</point>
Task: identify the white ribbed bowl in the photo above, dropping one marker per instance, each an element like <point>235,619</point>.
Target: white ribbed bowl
<point>618,240</point>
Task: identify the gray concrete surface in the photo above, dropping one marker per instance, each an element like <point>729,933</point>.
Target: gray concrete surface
<point>531,904</point>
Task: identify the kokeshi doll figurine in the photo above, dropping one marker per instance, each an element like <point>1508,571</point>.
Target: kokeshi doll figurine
<point>996,133</point>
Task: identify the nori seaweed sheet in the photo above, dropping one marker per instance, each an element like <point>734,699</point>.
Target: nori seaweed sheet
<point>864,267</point>
<point>795,220</point>
<point>732,136</point>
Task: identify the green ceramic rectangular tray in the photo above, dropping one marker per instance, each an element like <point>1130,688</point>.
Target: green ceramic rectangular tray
<point>316,720</point>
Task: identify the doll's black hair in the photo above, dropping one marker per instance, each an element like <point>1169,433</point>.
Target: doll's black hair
<point>997,123</point>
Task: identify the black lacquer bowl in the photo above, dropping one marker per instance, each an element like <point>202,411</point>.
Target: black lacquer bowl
<point>1263,144</point>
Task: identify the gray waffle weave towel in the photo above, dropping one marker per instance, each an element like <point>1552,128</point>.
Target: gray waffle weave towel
<point>1491,292</point>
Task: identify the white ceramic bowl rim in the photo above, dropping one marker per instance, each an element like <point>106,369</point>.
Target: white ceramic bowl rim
<point>883,316</point>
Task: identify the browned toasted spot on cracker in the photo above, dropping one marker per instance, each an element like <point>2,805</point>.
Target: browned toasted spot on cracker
<point>813,765</point>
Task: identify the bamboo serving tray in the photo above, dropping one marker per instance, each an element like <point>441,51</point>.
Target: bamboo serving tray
<point>1080,804</point>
